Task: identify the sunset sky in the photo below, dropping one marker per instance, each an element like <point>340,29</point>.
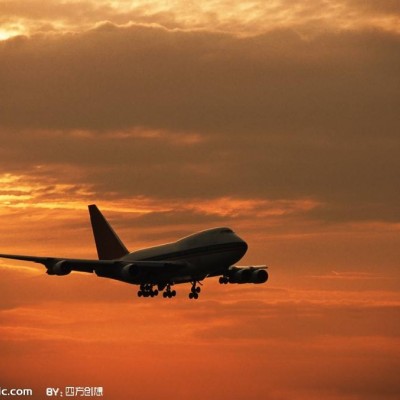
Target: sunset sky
<point>279,119</point>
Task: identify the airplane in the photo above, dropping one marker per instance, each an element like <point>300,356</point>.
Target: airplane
<point>209,253</point>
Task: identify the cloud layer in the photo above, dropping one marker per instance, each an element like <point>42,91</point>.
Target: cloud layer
<point>277,343</point>
<point>310,119</point>
<point>279,119</point>
<point>249,17</point>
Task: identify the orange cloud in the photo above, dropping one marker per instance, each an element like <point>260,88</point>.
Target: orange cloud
<point>273,116</point>
<point>311,336</point>
<point>356,275</point>
<point>250,17</point>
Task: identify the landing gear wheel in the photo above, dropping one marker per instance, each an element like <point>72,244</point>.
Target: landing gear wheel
<point>194,290</point>
<point>168,292</point>
<point>146,290</point>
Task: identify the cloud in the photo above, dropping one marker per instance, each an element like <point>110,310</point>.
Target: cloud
<point>72,83</point>
<point>313,342</point>
<point>296,113</point>
<point>250,17</point>
<point>349,275</point>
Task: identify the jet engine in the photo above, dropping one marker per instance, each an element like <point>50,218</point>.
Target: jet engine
<point>59,268</point>
<point>240,275</point>
<point>259,276</point>
<point>129,271</point>
<point>248,275</point>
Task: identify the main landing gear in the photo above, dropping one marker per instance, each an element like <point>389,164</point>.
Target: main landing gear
<point>146,290</point>
<point>169,293</point>
<point>223,280</point>
<point>194,291</point>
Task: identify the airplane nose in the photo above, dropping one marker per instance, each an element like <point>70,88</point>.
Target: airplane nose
<point>242,245</point>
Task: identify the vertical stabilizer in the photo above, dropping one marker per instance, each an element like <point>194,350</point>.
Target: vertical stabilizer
<point>108,244</point>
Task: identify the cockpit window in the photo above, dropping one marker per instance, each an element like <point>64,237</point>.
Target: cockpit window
<point>226,230</point>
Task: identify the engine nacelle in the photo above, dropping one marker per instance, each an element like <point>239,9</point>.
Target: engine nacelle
<point>259,276</point>
<point>247,275</point>
<point>59,268</point>
<point>240,275</point>
<point>129,272</point>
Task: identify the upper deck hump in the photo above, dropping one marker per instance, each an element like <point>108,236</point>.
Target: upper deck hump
<point>199,239</point>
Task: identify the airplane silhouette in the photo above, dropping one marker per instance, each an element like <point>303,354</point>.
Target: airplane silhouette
<point>209,253</point>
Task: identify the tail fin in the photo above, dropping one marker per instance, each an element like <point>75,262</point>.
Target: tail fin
<point>108,244</point>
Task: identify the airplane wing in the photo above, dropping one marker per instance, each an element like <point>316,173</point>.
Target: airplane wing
<point>59,266</point>
<point>63,266</point>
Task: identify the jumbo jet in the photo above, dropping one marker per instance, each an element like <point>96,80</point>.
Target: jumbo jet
<point>209,253</point>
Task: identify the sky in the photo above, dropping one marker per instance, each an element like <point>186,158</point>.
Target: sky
<point>279,119</point>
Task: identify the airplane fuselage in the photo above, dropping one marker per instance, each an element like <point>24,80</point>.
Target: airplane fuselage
<point>206,253</point>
